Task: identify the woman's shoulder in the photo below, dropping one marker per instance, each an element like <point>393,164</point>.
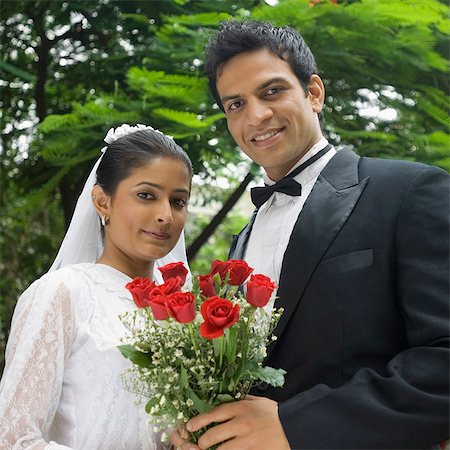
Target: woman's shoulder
<point>78,277</point>
<point>70,279</point>
<point>67,275</point>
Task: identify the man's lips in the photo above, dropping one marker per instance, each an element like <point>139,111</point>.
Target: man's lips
<point>159,235</point>
<point>266,136</point>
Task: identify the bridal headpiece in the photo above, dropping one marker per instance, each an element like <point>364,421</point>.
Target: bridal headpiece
<point>83,241</point>
<point>116,133</point>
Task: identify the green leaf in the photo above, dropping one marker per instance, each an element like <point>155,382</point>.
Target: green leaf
<point>231,344</point>
<point>274,377</point>
<point>138,18</point>
<point>151,403</point>
<point>184,377</point>
<point>135,356</point>
<point>217,344</point>
<point>187,119</point>
<point>202,19</point>
<point>217,282</point>
<point>224,398</point>
<point>200,405</point>
<point>16,71</point>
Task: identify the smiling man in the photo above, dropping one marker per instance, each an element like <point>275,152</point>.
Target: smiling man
<point>359,250</point>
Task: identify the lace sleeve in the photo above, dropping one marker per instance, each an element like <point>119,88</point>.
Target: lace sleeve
<point>41,335</point>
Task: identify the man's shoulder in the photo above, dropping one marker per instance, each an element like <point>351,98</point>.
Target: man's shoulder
<point>389,176</point>
<point>397,167</point>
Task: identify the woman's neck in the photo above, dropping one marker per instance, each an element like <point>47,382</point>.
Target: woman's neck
<point>131,268</point>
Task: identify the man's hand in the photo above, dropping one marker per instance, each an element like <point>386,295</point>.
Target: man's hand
<point>250,424</point>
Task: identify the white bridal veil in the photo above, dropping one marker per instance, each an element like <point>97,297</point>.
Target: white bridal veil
<point>83,241</point>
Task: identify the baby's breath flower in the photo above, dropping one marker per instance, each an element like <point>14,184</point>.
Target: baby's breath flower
<point>182,359</point>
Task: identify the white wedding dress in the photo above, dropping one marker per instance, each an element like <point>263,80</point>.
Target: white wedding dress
<point>62,385</point>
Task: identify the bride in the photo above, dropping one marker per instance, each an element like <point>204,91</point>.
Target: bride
<point>62,387</point>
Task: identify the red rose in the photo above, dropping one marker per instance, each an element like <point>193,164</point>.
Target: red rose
<point>220,267</point>
<point>239,270</point>
<point>172,270</point>
<point>157,304</point>
<point>259,290</point>
<point>171,285</point>
<point>219,313</point>
<point>140,289</point>
<point>207,285</point>
<point>181,306</point>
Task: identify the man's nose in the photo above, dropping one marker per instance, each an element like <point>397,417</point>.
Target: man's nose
<point>258,112</point>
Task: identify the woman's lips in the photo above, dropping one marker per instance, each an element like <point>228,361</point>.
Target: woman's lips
<point>157,235</point>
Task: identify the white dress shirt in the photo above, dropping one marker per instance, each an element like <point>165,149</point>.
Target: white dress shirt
<point>276,218</point>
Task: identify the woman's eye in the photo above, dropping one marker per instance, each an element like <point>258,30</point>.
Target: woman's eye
<point>145,196</point>
<point>179,203</point>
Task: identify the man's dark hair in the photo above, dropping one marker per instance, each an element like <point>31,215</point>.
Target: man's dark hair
<point>235,37</point>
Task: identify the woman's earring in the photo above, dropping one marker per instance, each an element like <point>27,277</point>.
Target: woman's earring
<point>104,220</point>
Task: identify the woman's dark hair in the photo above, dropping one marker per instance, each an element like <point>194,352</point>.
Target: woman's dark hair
<point>235,37</point>
<point>134,150</point>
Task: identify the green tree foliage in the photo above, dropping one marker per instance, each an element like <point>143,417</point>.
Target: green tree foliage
<point>389,55</point>
<point>66,62</point>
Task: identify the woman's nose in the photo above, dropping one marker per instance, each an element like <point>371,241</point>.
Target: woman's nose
<point>164,213</point>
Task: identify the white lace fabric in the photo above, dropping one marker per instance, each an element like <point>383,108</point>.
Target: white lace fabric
<point>62,386</point>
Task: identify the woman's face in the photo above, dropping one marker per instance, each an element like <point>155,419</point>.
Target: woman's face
<point>147,212</point>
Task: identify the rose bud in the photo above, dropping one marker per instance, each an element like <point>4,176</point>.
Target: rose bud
<point>207,285</point>
<point>171,285</point>
<point>140,289</point>
<point>219,314</point>
<point>173,270</point>
<point>239,271</point>
<point>157,304</point>
<point>259,290</point>
<point>181,306</point>
<point>220,267</point>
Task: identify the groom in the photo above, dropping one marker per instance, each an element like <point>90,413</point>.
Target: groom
<point>360,255</point>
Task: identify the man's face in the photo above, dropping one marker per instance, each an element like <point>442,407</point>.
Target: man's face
<point>268,113</point>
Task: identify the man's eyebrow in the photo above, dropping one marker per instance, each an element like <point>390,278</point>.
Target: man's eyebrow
<point>272,81</point>
<point>258,88</point>
<point>158,186</point>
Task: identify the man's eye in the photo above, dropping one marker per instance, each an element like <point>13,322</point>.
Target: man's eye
<point>145,196</point>
<point>272,91</point>
<point>234,105</point>
<point>179,203</point>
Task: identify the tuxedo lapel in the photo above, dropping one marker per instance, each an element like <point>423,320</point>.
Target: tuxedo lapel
<point>327,208</point>
<point>239,243</point>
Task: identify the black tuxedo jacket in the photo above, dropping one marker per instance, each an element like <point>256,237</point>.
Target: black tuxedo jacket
<point>364,337</point>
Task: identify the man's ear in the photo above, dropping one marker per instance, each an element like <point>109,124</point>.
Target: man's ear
<point>101,201</point>
<point>316,93</point>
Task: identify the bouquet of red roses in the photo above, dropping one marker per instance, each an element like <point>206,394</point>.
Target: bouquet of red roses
<point>194,350</point>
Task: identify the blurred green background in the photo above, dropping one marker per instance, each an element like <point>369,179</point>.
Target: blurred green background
<point>70,70</point>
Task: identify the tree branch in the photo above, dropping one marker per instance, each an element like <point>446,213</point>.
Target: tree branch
<point>218,218</point>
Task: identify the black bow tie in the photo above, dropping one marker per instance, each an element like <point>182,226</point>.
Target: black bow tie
<point>286,185</point>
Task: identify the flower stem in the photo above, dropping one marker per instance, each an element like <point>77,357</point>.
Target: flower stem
<point>222,345</point>
<point>194,343</point>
